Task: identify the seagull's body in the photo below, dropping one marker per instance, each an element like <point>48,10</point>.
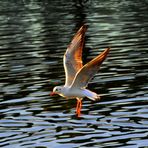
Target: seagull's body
<point>72,92</point>
<point>77,74</point>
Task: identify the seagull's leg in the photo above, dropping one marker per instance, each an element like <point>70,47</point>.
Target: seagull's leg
<point>79,106</point>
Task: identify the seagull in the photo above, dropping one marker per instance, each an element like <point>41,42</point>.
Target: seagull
<point>77,74</point>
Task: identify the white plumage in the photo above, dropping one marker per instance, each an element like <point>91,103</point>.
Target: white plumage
<point>77,75</point>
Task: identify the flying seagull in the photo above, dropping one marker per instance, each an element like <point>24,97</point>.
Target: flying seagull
<point>77,74</point>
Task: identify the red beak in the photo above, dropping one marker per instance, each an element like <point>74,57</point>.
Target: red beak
<point>52,93</point>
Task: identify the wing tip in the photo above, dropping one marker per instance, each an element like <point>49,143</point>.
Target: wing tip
<point>100,58</point>
<point>105,53</point>
<point>83,28</point>
<point>107,50</point>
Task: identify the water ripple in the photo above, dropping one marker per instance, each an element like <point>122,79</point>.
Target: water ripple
<point>33,38</point>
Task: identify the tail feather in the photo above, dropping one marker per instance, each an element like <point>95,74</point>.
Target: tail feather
<point>91,95</point>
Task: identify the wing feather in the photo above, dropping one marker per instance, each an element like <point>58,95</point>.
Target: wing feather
<point>89,70</point>
<point>73,56</point>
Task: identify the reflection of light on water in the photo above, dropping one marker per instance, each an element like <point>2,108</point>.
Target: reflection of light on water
<point>31,5</point>
<point>33,38</point>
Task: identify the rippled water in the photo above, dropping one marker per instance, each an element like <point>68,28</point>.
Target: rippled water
<point>33,38</point>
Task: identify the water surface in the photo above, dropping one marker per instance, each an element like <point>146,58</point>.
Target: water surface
<point>33,38</point>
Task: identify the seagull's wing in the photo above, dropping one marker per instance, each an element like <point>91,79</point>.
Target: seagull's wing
<point>73,56</point>
<point>89,70</point>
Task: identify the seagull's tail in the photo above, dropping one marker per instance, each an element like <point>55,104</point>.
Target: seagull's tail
<point>91,95</point>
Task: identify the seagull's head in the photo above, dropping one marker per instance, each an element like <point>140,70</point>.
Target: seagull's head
<point>57,90</point>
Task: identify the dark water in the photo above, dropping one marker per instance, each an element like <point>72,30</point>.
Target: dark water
<point>33,38</point>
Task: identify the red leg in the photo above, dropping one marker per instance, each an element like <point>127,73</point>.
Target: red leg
<point>78,107</point>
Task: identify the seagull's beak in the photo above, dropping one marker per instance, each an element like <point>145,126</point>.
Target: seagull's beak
<point>52,93</point>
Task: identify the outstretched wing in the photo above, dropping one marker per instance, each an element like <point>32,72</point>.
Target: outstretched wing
<point>73,56</point>
<point>89,70</point>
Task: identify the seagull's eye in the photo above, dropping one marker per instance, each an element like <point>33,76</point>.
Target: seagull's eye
<point>58,89</point>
